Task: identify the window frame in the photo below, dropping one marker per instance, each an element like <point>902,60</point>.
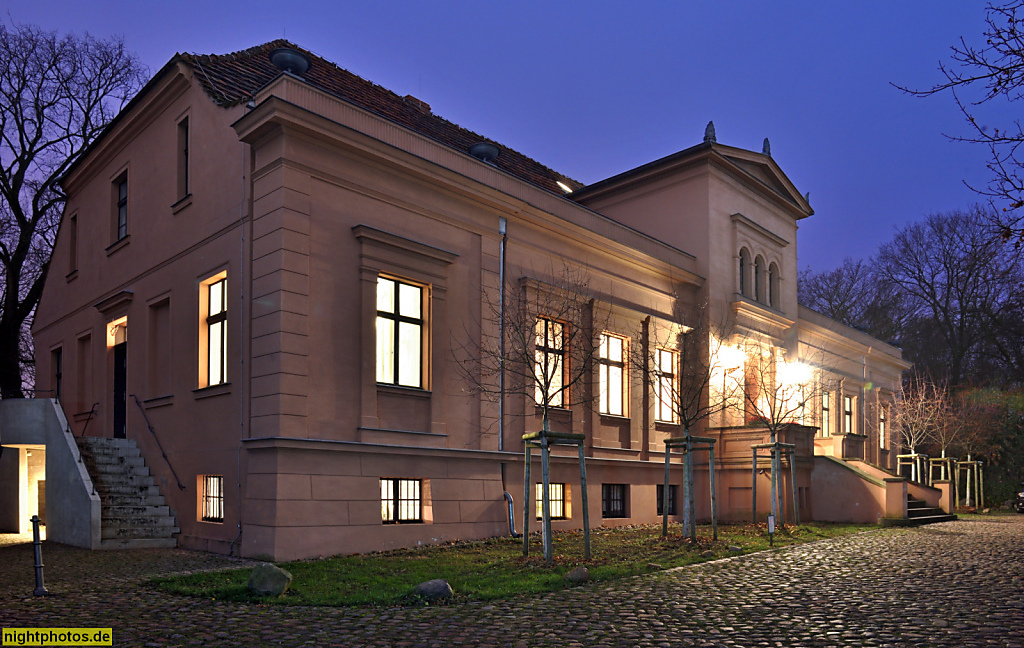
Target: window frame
<point>183,134</point>
<point>660,375</point>
<point>398,319</point>
<point>826,402</point>
<point>614,495</point>
<point>606,367</point>
<point>393,498</point>
<point>121,207</point>
<point>673,490</point>
<point>557,390</point>
<point>847,414</point>
<point>217,319</point>
<point>556,499</point>
<point>881,426</point>
<point>212,499</point>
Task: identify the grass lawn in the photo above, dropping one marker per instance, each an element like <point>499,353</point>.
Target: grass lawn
<point>495,568</point>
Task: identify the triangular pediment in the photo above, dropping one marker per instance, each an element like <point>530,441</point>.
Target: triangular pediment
<point>765,171</point>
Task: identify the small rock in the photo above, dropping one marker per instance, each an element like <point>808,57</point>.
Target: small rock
<point>735,548</point>
<point>940,623</point>
<point>707,554</point>
<point>434,590</point>
<point>579,575</point>
<point>654,566</point>
<point>269,580</point>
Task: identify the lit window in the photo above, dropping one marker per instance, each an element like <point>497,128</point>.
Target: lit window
<point>399,333</point>
<point>213,498</point>
<point>671,499</point>
<point>550,362</point>
<point>122,206</point>
<point>400,501</point>
<point>847,415</point>
<point>611,368</point>
<point>665,386</point>
<point>825,414</point>
<point>881,427</point>
<point>613,500</point>
<point>556,499</point>
<point>213,330</point>
<point>216,326</point>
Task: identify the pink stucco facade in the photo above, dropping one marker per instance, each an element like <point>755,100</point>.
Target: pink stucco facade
<point>302,198</point>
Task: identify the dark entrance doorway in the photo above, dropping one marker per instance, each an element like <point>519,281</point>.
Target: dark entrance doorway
<point>120,389</point>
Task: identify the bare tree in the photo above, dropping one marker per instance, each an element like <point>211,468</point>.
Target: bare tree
<point>543,353</point>
<point>682,354</point>
<point>775,393</point>
<point>981,75</point>
<point>916,415</point>
<point>959,283</point>
<point>57,94</point>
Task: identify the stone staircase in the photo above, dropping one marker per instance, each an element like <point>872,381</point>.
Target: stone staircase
<point>918,513</point>
<point>134,515</point>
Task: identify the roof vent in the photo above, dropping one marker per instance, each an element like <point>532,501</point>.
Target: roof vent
<point>484,151</point>
<point>287,59</point>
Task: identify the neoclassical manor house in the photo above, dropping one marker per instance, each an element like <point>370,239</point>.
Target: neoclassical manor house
<point>269,272</point>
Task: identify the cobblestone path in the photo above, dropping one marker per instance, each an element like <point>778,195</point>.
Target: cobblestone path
<point>952,584</point>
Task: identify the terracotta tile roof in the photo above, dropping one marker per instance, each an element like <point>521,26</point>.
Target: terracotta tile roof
<point>230,79</point>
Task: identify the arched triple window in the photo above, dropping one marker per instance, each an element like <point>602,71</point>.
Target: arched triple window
<point>745,272</point>
<point>773,285</point>
<point>759,288</point>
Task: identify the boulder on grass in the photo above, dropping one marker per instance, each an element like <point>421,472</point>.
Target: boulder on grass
<point>434,590</point>
<point>579,575</point>
<point>269,580</point>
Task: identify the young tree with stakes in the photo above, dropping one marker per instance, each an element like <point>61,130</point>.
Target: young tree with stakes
<point>543,351</point>
<point>916,414</point>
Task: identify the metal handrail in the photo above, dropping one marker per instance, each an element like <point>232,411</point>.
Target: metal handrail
<point>157,439</point>
<point>92,412</point>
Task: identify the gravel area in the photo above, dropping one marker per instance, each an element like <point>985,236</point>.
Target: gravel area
<point>951,584</point>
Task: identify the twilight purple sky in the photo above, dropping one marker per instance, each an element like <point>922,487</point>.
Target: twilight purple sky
<point>595,88</point>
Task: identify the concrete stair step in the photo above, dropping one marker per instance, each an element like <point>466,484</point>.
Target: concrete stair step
<point>139,543</point>
<point>107,479</point>
<point>114,460</point>
<point>126,489</point>
<point>924,512</point>
<point>108,500</point>
<point>129,510</point>
<point>932,519</point>
<point>118,533</point>
<point>146,521</point>
<point>118,469</point>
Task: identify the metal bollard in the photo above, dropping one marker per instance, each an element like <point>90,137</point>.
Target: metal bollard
<point>37,546</point>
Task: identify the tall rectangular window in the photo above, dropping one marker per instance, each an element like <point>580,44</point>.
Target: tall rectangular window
<point>57,367</point>
<point>613,500</point>
<point>399,333</point>
<point>400,501</point>
<point>881,426</point>
<point>826,420</point>
<point>556,499</point>
<point>611,367</point>
<point>671,499</point>
<point>213,498</point>
<point>217,332</point>
<point>665,386</point>
<point>549,369</point>
<point>73,243</point>
<point>847,415</point>
<point>160,358</point>
<point>183,189</point>
<point>121,206</point>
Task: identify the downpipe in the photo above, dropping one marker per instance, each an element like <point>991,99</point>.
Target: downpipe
<point>511,517</point>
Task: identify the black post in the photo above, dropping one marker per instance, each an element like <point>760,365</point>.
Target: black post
<point>37,546</point>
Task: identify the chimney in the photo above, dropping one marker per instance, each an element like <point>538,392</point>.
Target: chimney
<point>418,104</point>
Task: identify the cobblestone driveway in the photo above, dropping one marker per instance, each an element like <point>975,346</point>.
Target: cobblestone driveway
<point>952,584</point>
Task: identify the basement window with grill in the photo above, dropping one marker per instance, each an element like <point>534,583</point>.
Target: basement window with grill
<point>213,498</point>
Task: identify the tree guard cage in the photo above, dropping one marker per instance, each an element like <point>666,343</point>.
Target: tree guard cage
<point>775,452</point>
<point>544,440</point>
<point>688,445</point>
<point>945,465</point>
<point>971,470</point>
<point>917,463</point>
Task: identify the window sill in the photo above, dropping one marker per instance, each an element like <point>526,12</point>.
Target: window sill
<point>217,522</point>
<point>615,418</point>
<point>209,392</point>
<point>71,276</point>
<point>181,204</point>
<point>399,390</point>
<point>158,401</point>
<point>117,245</point>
